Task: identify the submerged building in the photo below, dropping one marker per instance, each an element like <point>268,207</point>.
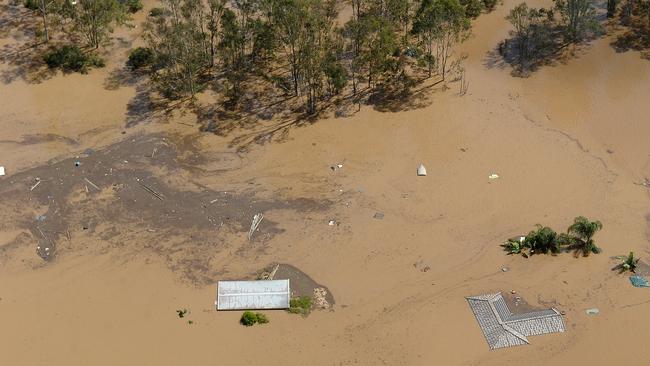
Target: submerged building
<point>253,295</point>
<point>502,328</point>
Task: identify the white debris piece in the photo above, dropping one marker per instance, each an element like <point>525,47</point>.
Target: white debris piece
<point>493,176</point>
<point>422,171</point>
<point>2,171</point>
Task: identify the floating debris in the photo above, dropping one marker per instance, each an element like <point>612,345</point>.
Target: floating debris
<point>493,176</point>
<point>336,167</point>
<point>505,269</point>
<point>254,224</point>
<point>331,223</point>
<point>2,171</point>
<point>38,181</point>
<point>422,171</point>
<point>379,215</point>
<point>639,281</point>
<point>592,311</point>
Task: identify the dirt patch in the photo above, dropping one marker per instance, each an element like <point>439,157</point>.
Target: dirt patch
<point>144,188</point>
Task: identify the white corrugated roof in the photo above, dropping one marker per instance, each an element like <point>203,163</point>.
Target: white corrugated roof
<point>245,295</point>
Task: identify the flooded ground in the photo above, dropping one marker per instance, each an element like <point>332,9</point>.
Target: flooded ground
<point>158,210</point>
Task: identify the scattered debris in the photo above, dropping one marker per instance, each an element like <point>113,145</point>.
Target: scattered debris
<point>92,184</point>
<point>592,311</point>
<point>148,189</point>
<point>421,266</point>
<point>562,312</point>
<point>645,183</point>
<point>639,281</point>
<point>41,218</point>
<point>190,322</point>
<point>254,224</point>
<point>320,301</point>
<point>513,292</point>
<point>378,215</point>
<point>2,171</point>
<point>493,176</point>
<point>505,269</point>
<point>336,167</point>
<point>272,274</point>
<point>331,223</point>
<point>38,181</point>
<point>214,200</point>
<point>181,313</point>
<point>422,171</point>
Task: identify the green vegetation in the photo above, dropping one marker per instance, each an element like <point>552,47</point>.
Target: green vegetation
<point>71,58</point>
<point>181,313</point>
<point>297,46</point>
<point>250,318</point>
<point>540,33</point>
<point>32,4</point>
<point>132,6</point>
<point>544,240</point>
<point>140,57</point>
<point>300,305</point>
<point>582,231</point>
<point>629,264</point>
<point>156,12</point>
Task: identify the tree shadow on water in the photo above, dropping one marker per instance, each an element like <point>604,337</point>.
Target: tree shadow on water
<point>635,38</point>
<point>21,57</point>
<point>552,52</point>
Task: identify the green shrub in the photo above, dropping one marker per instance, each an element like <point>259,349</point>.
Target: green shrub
<point>261,318</point>
<point>250,318</point>
<point>156,12</point>
<point>490,4</point>
<point>133,6</point>
<point>31,4</point>
<point>69,58</point>
<point>300,305</point>
<point>140,57</point>
<point>473,8</point>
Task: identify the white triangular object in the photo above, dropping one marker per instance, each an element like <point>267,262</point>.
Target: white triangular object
<point>422,171</point>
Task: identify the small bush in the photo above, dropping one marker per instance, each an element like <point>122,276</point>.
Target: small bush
<point>133,6</point>
<point>31,4</point>
<point>261,318</point>
<point>490,4</point>
<point>250,318</point>
<point>156,12</point>
<point>69,58</point>
<point>300,305</point>
<point>473,8</point>
<point>140,57</point>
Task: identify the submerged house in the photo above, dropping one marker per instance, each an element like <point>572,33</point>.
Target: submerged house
<point>253,295</point>
<point>502,328</point>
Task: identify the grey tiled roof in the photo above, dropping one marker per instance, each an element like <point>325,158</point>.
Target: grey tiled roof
<point>502,328</point>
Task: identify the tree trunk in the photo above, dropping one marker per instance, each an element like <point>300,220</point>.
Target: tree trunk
<point>611,8</point>
<point>43,6</point>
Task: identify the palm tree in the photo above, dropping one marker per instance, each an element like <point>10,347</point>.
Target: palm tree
<point>583,231</point>
<point>542,240</point>
<point>514,246</point>
<point>629,264</point>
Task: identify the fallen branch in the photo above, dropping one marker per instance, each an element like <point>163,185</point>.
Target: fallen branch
<point>154,193</point>
<point>92,184</point>
<point>35,185</point>
<point>254,224</point>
